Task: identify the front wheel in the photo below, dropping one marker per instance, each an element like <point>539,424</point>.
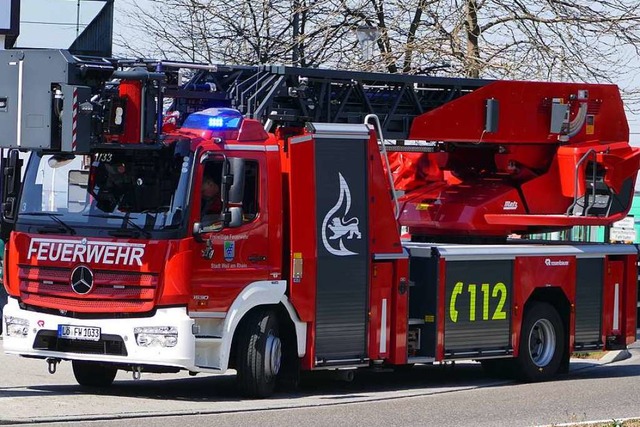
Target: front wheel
<point>542,343</point>
<point>259,353</point>
<point>92,374</point>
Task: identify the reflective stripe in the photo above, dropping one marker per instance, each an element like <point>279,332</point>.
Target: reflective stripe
<point>300,139</point>
<point>391,256</point>
<point>489,252</point>
<point>250,147</point>
<point>207,314</point>
<point>20,83</point>
<point>383,327</point>
<point>616,307</point>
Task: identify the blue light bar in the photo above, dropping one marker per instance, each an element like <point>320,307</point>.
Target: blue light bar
<point>214,119</point>
<point>216,122</point>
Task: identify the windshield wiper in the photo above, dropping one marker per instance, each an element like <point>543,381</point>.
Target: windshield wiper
<point>123,232</point>
<point>54,216</point>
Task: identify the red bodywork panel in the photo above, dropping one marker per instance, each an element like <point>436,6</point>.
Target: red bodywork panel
<point>531,273</point>
<point>594,294</point>
<point>131,91</point>
<point>130,276</point>
<point>524,111</point>
<point>379,312</point>
<point>303,239</point>
<point>444,209</point>
<point>618,284</point>
<point>390,281</point>
<point>619,300</point>
<point>612,322</point>
<point>629,300</point>
<point>388,305</point>
<point>387,299</point>
<point>399,312</point>
<point>215,283</point>
<point>522,173</point>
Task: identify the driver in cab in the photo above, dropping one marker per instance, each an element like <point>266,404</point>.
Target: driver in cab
<point>211,203</point>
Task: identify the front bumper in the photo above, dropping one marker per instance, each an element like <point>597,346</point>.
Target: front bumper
<point>117,344</point>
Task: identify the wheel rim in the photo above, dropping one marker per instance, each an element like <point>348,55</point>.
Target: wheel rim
<point>542,342</point>
<point>273,355</point>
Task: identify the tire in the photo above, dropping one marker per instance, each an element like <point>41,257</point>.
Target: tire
<point>404,368</point>
<point>498,368</point>
<point>542,343</point>
<point>288,379</point>
<point>259,354</point>
<point>92,374</point>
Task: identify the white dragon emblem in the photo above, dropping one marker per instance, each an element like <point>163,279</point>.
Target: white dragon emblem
<point>340,226</point>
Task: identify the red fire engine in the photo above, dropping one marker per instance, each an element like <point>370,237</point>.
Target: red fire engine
<point>362,219</point>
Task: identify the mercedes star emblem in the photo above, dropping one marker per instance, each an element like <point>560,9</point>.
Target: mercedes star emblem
<point>82,280</point>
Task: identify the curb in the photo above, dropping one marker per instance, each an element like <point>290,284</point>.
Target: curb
<point>612,356</point>
<point>608,422</point>
<point>615,356</point>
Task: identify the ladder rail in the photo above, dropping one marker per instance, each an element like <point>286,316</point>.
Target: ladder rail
<point>584,157</point>
<point>376,120</point>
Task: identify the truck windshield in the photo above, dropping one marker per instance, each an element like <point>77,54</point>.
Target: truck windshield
<point>112,192</point>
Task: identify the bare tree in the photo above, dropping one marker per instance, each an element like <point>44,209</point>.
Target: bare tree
<point>206,30</point>
<point>552,39</point>
<point>307,32</point>
<point>539,39</point>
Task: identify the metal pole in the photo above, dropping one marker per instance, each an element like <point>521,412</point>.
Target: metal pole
<point>295,54</point>
<point>78,19</point>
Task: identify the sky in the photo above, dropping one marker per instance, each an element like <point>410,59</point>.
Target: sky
<point>54,24</point>
<point>5,20</point>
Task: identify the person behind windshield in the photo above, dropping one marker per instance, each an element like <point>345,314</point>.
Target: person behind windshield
<point>211,202</point>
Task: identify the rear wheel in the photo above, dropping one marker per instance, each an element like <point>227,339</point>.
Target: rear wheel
<point>542,343</point>
<point>91,374</point>
<point>498,368</point>
<point>259,353</point>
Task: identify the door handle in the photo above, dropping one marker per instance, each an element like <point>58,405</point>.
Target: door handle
<point>257,258</point>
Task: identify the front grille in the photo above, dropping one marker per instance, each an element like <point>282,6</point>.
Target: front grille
<point>120,291</point>
<point>112,345</point>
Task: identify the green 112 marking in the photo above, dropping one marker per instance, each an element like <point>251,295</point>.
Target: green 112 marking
<point>497,291</point>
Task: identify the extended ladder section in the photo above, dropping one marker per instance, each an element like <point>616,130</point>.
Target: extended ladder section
<point>293,96</point>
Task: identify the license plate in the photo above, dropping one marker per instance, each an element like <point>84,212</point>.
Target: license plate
<point>84,333</point>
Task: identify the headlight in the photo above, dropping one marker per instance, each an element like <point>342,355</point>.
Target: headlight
<point>16,326</point>
<point>156,336</point>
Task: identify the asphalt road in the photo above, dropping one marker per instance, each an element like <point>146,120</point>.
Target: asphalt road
<point>426,395</point>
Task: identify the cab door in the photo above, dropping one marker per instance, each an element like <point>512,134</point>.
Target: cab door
<point>227,259</point>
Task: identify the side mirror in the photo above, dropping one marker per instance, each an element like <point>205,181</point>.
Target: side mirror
<point>236,217</point>
<point>8,207</point>
<point>12,171</point>
<point>197,232</point>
